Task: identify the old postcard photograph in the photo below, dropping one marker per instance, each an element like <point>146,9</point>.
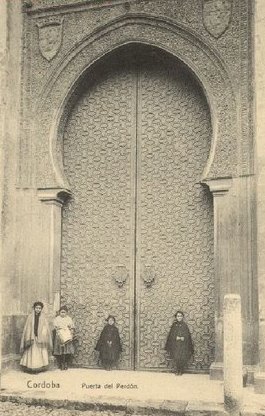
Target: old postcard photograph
<point>132,221</point>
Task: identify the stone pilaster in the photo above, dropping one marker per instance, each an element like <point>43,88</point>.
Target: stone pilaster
<point>55,199</point>
<point>3,90</point>
<point>259,378</point>
<point>219,189</point>
<point>10,98</point>
<point>233,360</point>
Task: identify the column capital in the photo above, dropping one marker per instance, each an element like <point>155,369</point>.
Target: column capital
<point>55,196</point>
<point>219,186</point>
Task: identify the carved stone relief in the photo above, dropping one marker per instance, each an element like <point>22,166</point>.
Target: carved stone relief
<point>217,16</point>
<point>232,49</point>
<point>212,72</point>
<point>50,37</point>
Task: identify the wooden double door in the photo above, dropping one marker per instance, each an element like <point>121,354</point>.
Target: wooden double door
<point>137,235</point>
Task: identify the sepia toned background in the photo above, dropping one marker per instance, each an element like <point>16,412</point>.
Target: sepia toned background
<point>130,182</point>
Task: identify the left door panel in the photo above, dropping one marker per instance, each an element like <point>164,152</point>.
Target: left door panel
<point>98,226</point>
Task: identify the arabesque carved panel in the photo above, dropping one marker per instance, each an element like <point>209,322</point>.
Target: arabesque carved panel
<point>135,144</point>
<point>97,222</point>
<point>175,213</point>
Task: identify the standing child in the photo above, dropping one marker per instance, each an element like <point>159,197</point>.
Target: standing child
<point>63,347</point>
<point>179,343</point>
<point>109,344</point>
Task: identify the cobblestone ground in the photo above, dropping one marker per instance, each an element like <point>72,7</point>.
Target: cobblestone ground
<point>21,409</point>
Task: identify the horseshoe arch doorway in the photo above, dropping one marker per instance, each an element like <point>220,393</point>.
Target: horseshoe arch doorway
<point>137,234</point>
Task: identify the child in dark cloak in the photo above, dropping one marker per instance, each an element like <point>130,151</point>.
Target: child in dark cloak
<point>109,344</point>
<point>179,343</point>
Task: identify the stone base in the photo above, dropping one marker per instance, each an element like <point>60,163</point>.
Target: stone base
<point>10,361</point>
<point>216,371</point>
<point>251,371</point>
<point>259,383</point>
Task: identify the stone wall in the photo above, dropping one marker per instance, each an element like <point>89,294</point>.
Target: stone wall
<point>10,55</point>
<point>260,179</point>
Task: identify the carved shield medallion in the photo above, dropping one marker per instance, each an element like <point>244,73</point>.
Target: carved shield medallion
<point>50,38</point>
<point>217,16</point>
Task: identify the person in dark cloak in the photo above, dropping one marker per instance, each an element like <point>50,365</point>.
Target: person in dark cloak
<point>179,344</point>
<point>109,344</point>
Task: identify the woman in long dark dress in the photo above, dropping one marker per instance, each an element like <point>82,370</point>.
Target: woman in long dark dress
<point>109,344</point>
<point>179,344</point>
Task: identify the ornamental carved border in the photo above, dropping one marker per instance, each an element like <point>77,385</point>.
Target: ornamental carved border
<point>177,40</point>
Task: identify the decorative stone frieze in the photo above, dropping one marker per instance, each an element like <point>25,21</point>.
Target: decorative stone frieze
<point>176,40</point>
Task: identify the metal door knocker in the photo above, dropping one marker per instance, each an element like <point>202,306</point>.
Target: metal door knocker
<point>148,276</point>
<point>120,275</point>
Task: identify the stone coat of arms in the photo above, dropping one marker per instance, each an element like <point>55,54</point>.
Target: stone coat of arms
<point>217,16</point>
<point>50,38</point>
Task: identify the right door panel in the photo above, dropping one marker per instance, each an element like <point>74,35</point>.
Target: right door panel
<point>174,234</point>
